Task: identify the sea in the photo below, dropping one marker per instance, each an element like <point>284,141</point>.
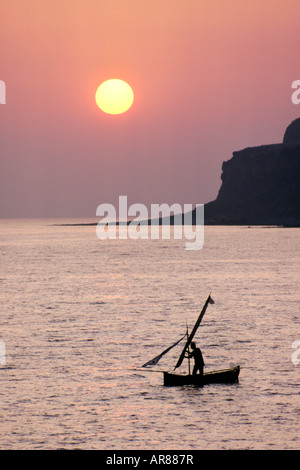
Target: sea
<point>79,316</point>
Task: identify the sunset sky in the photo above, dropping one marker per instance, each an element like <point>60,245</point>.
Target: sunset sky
<point>209,77</point>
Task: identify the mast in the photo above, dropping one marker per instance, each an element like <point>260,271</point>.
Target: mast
<point>190,337</point>
<point>189,359</point>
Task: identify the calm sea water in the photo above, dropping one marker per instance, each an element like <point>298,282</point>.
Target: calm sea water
<point>79,316</point>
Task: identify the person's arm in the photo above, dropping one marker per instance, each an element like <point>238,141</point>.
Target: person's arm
<point>189,355</point>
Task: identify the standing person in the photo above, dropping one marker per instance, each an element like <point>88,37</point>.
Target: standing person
<point>197,355</point>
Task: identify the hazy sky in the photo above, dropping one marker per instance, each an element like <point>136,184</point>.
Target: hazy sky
<point>209,77</point>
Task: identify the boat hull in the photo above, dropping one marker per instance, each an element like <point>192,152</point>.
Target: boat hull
<point>219,376</point>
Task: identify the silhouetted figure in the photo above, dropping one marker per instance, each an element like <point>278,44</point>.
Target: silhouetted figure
<point>197,355</point>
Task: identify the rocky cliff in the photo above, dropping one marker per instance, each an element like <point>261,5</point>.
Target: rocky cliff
<point>260,185</point>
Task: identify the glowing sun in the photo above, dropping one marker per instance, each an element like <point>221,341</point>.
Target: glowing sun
<point>114,96</point>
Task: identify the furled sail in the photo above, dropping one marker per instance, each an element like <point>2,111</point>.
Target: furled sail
<point>155,360</point>
<point>190,337</point>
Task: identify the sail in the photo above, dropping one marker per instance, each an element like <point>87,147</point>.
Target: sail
<point>190,338</point>
<point>155,360</point>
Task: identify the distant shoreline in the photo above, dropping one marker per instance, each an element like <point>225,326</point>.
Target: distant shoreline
<point>94,224</point>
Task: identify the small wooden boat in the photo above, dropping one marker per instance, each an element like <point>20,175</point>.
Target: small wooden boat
<point>226,376</point>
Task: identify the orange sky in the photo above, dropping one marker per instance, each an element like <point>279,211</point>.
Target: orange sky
<point>209,77</point>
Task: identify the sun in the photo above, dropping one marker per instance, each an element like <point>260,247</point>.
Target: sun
<point>114,96</point>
